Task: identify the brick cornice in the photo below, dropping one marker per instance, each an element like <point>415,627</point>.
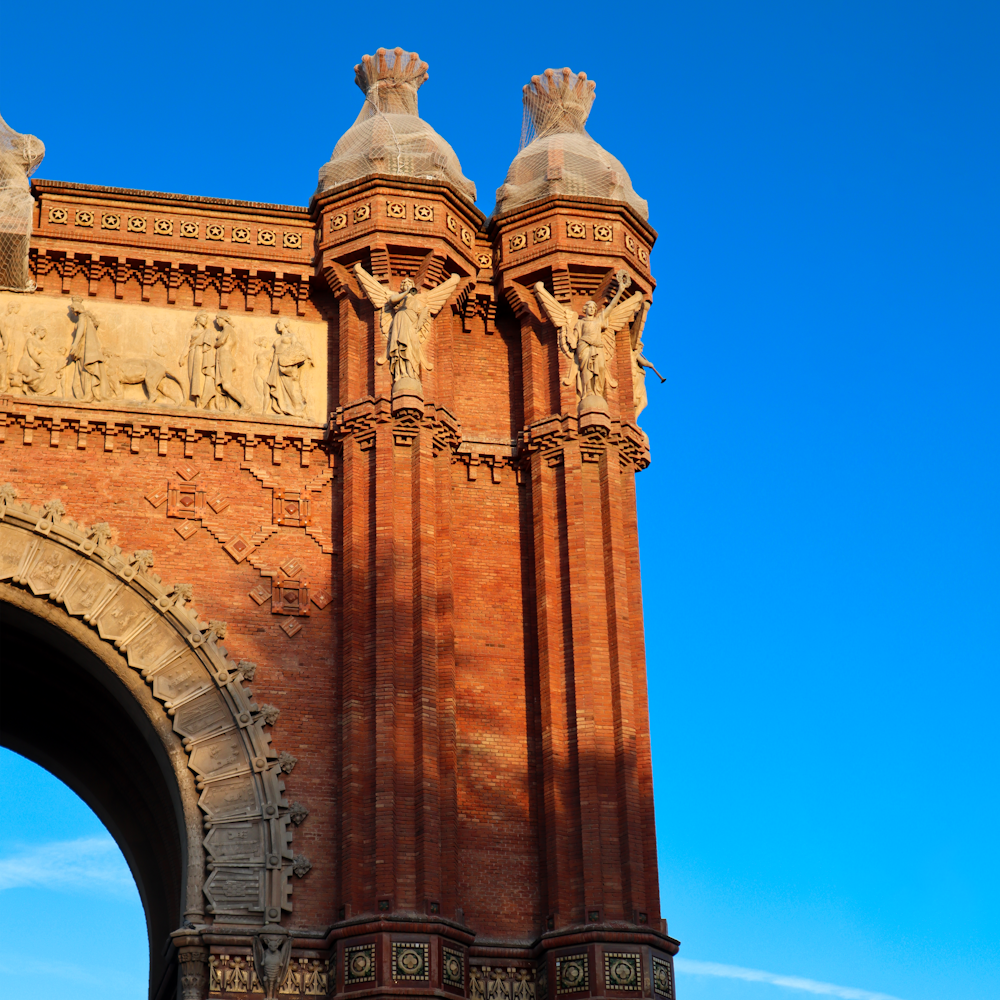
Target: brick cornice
<point>96,192</point>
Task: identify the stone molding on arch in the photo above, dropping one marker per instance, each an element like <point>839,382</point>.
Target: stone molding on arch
<point>248,839</point>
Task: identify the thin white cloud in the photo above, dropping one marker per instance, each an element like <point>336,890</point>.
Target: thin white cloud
<point>19,965</point>
<point>88,864</point>
<point>689,966</point>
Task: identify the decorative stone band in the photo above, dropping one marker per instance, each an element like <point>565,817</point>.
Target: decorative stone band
<point>234,975</point>
<point>358,420</point>
<point>122,427</point>
<point>227,287</point>
<point>238,772</point>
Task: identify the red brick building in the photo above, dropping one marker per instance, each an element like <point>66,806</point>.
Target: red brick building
<point>319,563</point>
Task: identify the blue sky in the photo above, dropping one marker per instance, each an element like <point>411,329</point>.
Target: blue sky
<point>819,530</point>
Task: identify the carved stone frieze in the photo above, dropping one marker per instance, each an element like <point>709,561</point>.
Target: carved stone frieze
<point>234,976</point>
<point>504,982</point>
<point>101,353</point>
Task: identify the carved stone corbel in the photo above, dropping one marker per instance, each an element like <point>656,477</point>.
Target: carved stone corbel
<point>272,951</point>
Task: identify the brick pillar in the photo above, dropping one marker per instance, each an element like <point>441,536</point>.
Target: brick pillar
<point>399,813</point>
<point>599,837</point>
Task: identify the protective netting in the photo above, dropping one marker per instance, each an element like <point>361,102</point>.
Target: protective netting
<point>19,158</point>
<point>388,136</point>
<point>557,156</point>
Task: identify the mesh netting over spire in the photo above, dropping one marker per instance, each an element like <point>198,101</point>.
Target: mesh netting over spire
<point>20,156</point>
<point>388,136</point>
<point>556,155</point>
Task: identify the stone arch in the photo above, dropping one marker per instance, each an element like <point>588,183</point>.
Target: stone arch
<point>77,614</point>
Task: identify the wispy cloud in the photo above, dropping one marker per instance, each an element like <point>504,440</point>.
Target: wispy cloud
<point>19,965</point>
<point>692,967</point>
<point>89,864</point>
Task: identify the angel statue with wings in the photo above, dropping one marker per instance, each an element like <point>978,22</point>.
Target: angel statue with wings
<point>589,340</point>
<point>405,321</point>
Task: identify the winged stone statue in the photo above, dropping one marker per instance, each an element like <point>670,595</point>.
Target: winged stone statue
<point>589,340</point>
<point>405,320</point>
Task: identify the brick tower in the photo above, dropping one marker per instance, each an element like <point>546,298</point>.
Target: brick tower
<point>455,638</point>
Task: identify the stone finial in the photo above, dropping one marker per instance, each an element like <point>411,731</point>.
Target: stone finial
<point>7,494</point>
<point>297,813</point>
<point>247,669</point>
<point>182,593</point>
<point>100,532</point>
<point>301,865</point>
<point>287,761</point>
<point>142,558</point>
<point>559,101</point>
<point>269,713</point>
<point>216,629</point>
<point>53,510</point>
<point>391,79</point>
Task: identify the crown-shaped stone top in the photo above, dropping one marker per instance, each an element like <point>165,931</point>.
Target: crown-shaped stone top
<point>391,79</point>
<point>558,101</point>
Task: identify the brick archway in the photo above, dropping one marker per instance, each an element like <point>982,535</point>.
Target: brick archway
<point>112,682</point>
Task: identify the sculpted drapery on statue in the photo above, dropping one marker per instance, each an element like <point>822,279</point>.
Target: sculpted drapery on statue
<point>405,320</point>
<point>39,367</point>
<point>90,377</point>
<point>589,340</point>
<point>284,380</point>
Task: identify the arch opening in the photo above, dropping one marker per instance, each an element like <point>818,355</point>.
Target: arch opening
<point>63,707</point>
<point>111,682</point>
<point>62,876</point>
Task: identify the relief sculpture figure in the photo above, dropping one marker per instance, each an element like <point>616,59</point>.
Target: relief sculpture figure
<point>285,377</point>
<point>90,376</point>
<point>150,373</point>
<point>261,367</point>
<point>200,358</point>
<point>225,366</point>
<point>589,340</point>
<point>39,368</point>
<point>405,322</point>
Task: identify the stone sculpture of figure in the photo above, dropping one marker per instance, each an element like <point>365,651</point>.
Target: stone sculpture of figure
<point>640,363</point>
<point>39,367</point>
<point>20,156</point>
<point>589,340</point>
<point>225,367</point>
<point>200,358</point>
<point>405,321</point>
<point>271,955</point>
<point>90,377</point>
<point>7,344</point>
<point>285,377</point>
<point>261,367</point>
